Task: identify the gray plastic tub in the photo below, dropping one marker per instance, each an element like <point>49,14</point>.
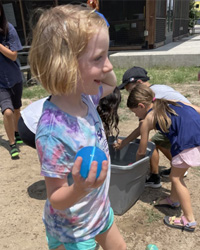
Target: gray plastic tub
<point>127,176</point>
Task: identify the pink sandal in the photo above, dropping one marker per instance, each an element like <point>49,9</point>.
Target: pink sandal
<point>168,203</point>
<point>180,223</point>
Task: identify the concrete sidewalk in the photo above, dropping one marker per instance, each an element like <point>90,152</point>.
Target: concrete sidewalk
<point>185,52</point>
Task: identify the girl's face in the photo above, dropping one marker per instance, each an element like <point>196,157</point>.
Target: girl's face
<point>140,111</point>
<point>94,63</point>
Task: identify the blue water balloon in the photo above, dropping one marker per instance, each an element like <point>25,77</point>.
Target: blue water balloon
<point>90,154</point>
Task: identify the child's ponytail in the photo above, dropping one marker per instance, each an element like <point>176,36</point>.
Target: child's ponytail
<point>162,113</point>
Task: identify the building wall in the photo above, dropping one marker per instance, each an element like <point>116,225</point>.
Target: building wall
<point>133,24</point>
<point>181,18</point>
<point>160,21</point>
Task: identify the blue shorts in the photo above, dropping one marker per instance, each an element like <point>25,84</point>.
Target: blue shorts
<point>83,245</point>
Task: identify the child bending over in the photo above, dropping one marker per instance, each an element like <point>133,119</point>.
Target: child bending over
<point>69,57</point>
<point>181,124</point>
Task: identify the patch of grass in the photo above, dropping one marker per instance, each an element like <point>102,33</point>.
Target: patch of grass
<point>166,75</point>
<point>119,73</point>
<point>34,92</point>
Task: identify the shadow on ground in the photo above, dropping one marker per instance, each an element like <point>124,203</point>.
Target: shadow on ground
<point>38,190</point>
<point>4,143</point>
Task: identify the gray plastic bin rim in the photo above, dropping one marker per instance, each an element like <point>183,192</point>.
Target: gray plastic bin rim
<point>128,167</point>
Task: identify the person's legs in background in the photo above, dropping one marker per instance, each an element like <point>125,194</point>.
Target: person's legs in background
<point>179,192</point>
<point>162,143</point>
<point>167,153</point>
<point>17,115</point>
<point>16,96</point>
<point>10,103</point>
<point>9,125</point>
<point>154,178</point>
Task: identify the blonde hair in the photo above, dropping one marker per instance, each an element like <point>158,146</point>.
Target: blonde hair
<point>59,39</point>
<point>162,112</point>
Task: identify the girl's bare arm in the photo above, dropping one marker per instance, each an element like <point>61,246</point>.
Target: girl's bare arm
<point>122,143</point>
<point>145,128</point>
<point>12,55</point>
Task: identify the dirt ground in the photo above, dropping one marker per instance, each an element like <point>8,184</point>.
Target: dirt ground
<point>22,197</point>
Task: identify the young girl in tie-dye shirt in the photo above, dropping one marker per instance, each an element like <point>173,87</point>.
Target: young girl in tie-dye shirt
<point>69,57</point>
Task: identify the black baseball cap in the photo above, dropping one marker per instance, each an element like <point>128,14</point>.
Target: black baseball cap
<point>132,75</point>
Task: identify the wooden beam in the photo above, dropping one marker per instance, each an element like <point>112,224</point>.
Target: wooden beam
<point>23,22</point>
<point>151,22</point>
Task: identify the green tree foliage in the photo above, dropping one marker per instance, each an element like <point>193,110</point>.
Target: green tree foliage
<point>193,14</point>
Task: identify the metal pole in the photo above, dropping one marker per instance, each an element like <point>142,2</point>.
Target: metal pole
<point>23,22</point>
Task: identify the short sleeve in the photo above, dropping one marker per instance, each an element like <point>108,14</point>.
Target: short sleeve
<point>13,39</point>
<point>55,158</point>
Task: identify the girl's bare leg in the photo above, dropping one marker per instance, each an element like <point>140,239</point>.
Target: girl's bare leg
<point>111,239</point>
<point>166,152</point>
<point>180,192</point>
<point>154,161</point>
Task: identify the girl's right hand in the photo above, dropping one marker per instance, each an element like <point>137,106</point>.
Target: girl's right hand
<point>90,182</point>
<point>118,144</point>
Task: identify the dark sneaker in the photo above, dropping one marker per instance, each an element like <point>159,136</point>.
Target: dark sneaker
<point>153,181</point>
<point>14,152</point>
<point>18,139</point>
<point>165,173</point>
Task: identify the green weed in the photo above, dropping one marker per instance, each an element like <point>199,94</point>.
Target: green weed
<point>152,215</point>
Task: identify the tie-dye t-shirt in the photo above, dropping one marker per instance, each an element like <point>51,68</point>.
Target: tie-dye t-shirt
<point>59,136</point>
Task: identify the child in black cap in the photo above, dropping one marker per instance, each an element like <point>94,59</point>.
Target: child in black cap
<point>132,75</point>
